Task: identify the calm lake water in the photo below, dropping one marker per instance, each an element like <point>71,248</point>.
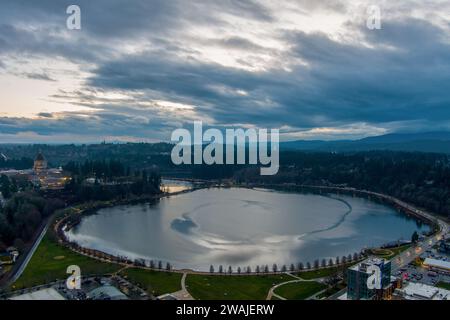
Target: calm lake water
<point>241,227</point>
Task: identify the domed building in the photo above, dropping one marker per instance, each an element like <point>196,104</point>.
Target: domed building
<point>40,164</point>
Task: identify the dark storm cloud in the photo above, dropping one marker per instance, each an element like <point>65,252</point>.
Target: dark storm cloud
<point>343,82</point>
<point>399,75</point>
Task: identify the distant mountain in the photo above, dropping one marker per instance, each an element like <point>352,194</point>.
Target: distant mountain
<point>423,142</point>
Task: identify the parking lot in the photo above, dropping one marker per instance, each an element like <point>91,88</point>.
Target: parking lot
<point>422,274</point>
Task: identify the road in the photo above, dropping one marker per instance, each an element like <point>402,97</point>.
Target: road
<point>29,255</point>
<point>409,255</point>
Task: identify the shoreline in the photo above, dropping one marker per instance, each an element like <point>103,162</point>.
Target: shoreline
<point>60,227</point>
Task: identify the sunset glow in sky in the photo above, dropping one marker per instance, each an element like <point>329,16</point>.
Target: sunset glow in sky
<point>139,69</point>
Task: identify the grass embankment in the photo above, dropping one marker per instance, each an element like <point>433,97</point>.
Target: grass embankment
<point>389,253</point>
<point>154,282</point>
<point>319,273</point>
<point>299,290</point>
<point>232,287</point>
<point>50,262</point>
<point>443,285</point>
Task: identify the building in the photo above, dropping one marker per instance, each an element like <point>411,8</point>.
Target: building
<point>358,276</point>
<point>43,294</point>
<point>106,292</point>
<point>420,291</point>
<point>438,265</point>
<point>40,164</point>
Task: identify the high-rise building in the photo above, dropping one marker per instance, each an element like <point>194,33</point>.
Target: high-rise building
<point>360,287</point>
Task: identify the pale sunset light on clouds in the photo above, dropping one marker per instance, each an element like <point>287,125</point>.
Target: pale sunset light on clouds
<point>139,69</point>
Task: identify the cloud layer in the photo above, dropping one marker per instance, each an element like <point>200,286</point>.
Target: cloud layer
<point>138,70</point>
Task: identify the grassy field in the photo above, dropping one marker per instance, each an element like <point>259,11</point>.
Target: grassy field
<point>232,287</point>
<point>154,282</point>
<point>389,253</point>
<point>314,274</point>
<point>299,290</point>
<point>50,262</point>
<point>443,285</point>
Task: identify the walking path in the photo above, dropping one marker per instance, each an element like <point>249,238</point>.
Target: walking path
<point>272,293</point>
<point>182,294</point>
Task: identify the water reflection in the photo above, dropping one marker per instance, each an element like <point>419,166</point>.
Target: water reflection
<point>241,227</point>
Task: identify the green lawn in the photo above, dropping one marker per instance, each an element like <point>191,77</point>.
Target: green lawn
<point>314,274</point>
<point>443,285</point>
<point>299,290</point>
<point>389,253</point>
<point>50,262</point>
<point>232,287</point>
<point>154,282</point>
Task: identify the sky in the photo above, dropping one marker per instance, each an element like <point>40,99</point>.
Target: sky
<point>137,70</point>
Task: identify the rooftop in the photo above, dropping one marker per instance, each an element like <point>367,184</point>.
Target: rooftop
<point>437,263</point>
<point>44,294</point>
<point>420,291</point>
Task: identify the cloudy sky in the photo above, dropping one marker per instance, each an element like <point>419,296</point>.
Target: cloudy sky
<point>139,69</point>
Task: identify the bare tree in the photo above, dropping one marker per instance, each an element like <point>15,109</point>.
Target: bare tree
<point>330,262</point>
<point>316,264</point>
<point>274,267</point>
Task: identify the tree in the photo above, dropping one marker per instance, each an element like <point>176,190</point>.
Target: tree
<point>230,270</point>
<point>266,269</point>
<point>249,269</point>
<point>308,265</point>
<point>168,267</point>
<point>220,269</point>
<point>211,269</point>
<point>316,264</point>
<point>283,268</point>
<point>274,267</point>
<point>159,264</point>
<point>330,262</point>
<point>415,237</point>
<point>292,267</point>
<point>323,263</point>
<point>300,266</point>
<point>239,270</point>
<point>258,270</point>
<point>338,261</point>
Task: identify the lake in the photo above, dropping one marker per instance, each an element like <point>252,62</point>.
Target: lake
<point>241,227</point>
